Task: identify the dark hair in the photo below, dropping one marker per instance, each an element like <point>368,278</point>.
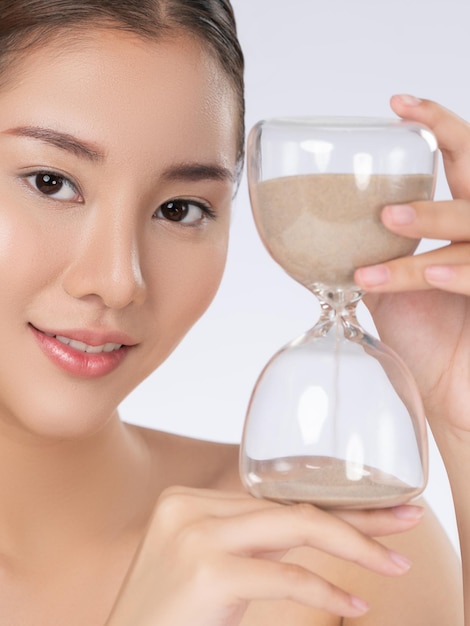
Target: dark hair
<point>27,23</point>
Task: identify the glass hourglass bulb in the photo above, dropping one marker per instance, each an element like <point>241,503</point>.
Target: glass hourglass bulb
<point>335,417</point>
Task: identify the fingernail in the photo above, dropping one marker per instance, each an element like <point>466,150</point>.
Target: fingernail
<point>439,273</point>
<point>359,604</point>
<point>409,100</point>
<point>408,512</point>
<point>373,276</point>
<point>400,561</point>
<point>401,214</point>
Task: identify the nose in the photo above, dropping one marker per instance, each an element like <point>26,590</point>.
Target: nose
<point>106,264</point>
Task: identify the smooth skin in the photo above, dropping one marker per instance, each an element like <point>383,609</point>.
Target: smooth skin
<point>430,592</point>
<point>99,516</point>
<point>429,294</point>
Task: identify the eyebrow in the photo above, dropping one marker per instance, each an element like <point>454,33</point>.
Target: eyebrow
<point>58,139</point>
<point>197,171</point>
<point>192,172</point>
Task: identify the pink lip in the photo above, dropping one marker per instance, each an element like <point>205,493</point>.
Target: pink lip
<point>83,364</point>
<point>90,337</point>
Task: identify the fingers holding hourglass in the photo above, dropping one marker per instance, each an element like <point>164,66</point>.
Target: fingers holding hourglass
<point>434,220</point>
<point>447,268</point>
<point>452,134</point>
<point>228,548</point>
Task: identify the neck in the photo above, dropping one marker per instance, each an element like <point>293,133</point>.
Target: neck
<point>76,490</point>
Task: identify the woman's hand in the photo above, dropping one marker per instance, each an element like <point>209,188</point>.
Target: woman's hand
<point>423,311</point>
<point>206,554</point>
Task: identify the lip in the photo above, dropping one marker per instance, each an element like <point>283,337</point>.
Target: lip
<point>76,362</point>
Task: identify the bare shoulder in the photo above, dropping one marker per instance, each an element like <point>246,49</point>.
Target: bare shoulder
<point>430,593</point>
<point>192,462</point>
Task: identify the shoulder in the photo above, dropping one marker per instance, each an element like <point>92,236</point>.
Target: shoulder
<point>430,593</point>
<point>192,462</point>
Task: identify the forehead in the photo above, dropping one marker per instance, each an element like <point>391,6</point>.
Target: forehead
<point>118,89</point>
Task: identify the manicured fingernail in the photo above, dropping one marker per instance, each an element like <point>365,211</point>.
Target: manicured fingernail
<point>409,100</point>
<point>359,604</point>
<point>373,276</point>
<point>409,512</point>
<point>439,273</point>
<point>400,214</point>
<point>400,561</point>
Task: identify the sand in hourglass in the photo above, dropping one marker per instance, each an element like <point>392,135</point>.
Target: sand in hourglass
<point>321,227</point>
<point>329,482</point>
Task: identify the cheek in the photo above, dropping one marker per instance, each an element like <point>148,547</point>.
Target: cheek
<point>198,277</point>
<point>29,250</point>
<point>210,276</point>
<point>7,238</point>
<point>18,251</point>
<point>183,287</point>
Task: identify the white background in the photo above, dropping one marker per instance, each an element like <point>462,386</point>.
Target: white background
<point>316,57</point>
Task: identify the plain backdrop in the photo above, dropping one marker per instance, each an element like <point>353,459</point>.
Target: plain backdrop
<point>314,57</point>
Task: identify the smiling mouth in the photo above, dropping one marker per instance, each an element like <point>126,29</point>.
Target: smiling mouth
<point>84,347</point>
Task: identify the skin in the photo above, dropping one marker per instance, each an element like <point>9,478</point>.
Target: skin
<point>429,293</point>
<point>101,261</point>
<point>98,256</point>
<point>106,523</point>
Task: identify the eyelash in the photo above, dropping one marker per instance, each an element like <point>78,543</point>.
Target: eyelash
<point>62,181</point>
<point>184,204</point>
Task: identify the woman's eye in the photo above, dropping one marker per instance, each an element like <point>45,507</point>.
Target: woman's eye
<point>185,211</point>
<point>54,185</point>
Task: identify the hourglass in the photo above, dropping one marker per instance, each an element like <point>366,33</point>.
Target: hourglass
<point>335,417</point>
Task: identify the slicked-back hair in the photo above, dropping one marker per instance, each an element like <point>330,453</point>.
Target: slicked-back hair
<point>26,24</point>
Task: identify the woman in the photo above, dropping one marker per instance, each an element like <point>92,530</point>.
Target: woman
<point>121,142</point>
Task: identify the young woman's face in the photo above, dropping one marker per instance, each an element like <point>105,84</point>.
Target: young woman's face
<point>117,159</point>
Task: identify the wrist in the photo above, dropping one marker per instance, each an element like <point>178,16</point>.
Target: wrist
<point>454,447</point>
<point>449,437</point>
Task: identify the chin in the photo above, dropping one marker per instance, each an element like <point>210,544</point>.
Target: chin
<point>63,429</point>
<point>57,421</point>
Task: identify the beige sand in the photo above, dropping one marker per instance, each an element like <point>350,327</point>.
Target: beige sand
<point>324,481</point>
<point>321,227</point>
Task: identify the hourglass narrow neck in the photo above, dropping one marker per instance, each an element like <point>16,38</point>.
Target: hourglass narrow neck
<point>338,309</point>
